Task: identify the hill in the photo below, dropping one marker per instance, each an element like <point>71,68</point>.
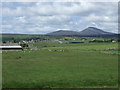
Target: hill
<point>90,31</point>
<point>94,31</point>
<point>64,32</point>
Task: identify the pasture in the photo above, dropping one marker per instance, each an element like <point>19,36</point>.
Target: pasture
<point>62,66</point>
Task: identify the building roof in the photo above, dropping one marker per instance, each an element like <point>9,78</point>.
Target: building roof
<point>10,47</point>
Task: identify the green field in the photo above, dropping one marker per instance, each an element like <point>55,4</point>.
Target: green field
<point>77,66</point>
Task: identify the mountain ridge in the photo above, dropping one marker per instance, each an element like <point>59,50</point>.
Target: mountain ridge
<point>87,31</point>
<point>93,31</point>
<point>63,32</point>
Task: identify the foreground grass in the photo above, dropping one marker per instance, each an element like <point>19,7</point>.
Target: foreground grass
<point>75,67</point>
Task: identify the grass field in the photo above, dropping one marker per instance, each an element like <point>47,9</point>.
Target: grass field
<point>78,66</point>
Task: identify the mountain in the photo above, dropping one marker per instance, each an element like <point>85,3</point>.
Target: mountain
<point>90,31</point>
<point>64,32</point>
<point>94,31</point>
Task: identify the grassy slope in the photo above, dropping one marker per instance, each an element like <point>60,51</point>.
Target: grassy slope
<point>72,68</point>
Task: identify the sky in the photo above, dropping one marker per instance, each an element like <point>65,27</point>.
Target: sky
<point>46,17</point>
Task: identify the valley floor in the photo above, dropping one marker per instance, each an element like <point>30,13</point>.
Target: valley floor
<point>81,66</point>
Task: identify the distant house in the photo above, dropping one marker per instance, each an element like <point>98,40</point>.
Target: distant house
<point>114,41</point>
<point>11,47</point>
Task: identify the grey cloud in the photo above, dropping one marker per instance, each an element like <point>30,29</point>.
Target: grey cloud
<point>47,17</point>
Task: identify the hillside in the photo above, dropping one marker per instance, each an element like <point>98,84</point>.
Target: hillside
<point>64,32</point>
<point>90,31</point>
<point>93,31</point>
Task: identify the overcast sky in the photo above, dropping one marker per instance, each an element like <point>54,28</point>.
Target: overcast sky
<point>45,17</point>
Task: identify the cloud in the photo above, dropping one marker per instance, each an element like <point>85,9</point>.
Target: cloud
<point>44,17</point>
<point>21,19</point>
<point>49,19</point>
<point>7,12</point>
<point>101,18</point>
<point>59,8</point>
<point>43,30</point>
<point>51,9</point>
<point>7,26</point>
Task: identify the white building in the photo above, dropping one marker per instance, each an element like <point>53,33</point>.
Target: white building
<point>17,47</point>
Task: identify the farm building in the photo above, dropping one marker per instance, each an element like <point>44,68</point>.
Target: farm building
<point>11,47</point>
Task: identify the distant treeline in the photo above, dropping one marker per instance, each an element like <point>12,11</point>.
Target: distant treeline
<point>17,38</point>
<point>102,36</point>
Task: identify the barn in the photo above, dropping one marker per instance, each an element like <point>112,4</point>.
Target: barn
<point>11,47</point>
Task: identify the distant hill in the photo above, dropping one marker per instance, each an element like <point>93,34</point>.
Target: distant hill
<point>90,31</point>
<point>94,31</point>
<point>64,32</point>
